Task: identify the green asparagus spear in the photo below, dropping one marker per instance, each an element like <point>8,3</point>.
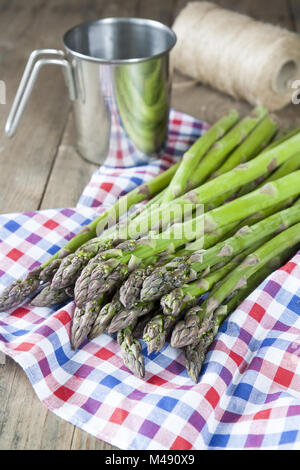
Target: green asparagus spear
<point>129,317</point>
<point>195,354</point>
<point>292,164</point>
<point>82,322</point>
<point>251,147</point>
<point>48,297</point>
<point>138,330</point>
<point>215,157</point>
<point>190,331</point>
<point>247,188</point>
<point>183,178</point>
<point>131,351</point>
<point>104,317</point>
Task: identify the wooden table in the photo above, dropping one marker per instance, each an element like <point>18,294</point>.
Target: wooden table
<point>36,165</point>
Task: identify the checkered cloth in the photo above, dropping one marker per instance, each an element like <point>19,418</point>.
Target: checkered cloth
<point>248,395</point>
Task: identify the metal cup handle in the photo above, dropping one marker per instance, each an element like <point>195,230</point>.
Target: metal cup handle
<point>29,77</point>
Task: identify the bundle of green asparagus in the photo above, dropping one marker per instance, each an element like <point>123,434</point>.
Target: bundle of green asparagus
<point>217,223</point>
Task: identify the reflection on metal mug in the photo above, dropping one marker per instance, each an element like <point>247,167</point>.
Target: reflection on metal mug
<point>113,67</point>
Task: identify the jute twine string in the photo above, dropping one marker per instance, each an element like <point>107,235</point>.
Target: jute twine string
<point>236,54</point>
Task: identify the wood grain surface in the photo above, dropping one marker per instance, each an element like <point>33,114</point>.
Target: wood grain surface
<point>36,164</point>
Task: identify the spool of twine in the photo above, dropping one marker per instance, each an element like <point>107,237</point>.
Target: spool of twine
<point>236,54</point>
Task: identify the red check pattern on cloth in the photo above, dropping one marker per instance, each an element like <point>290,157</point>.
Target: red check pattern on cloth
<point>248,395</point>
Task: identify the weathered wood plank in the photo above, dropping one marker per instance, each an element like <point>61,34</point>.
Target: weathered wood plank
<point>24,419</point>
<point>162,11</point>
<point>24,167</point>
<point>26,159</point>
<point>69,175</point>
<point>83,440</point>
<point>25,423</point>
<point>7,373</point>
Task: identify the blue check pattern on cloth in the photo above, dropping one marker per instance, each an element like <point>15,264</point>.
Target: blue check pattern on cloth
<point>248,394</point>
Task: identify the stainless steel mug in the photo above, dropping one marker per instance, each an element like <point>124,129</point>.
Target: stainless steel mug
<point>116,70</point>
